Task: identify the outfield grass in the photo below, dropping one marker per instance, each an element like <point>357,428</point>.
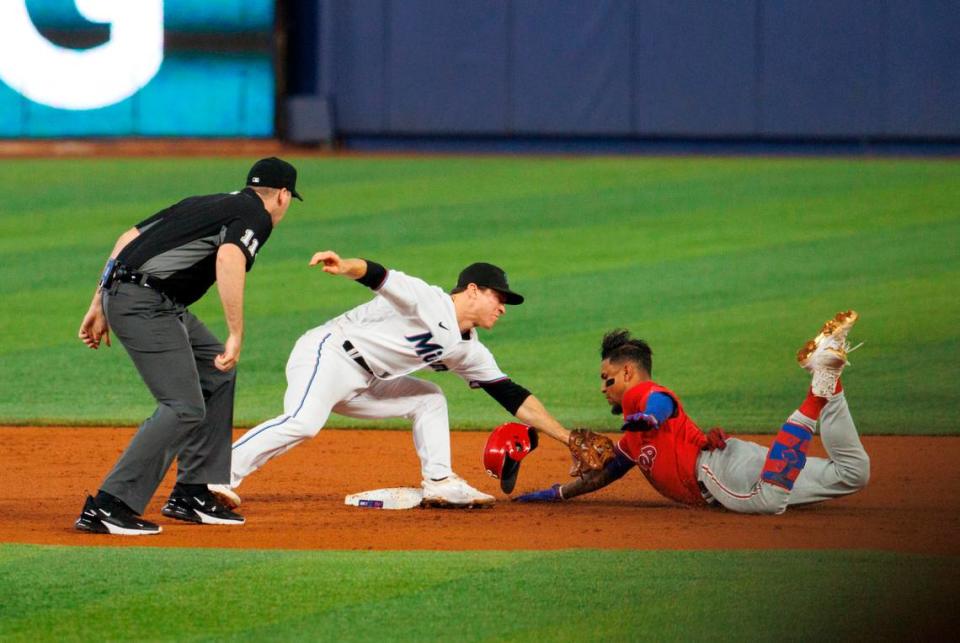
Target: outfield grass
<point>56,593</point>
<point>724,265</point>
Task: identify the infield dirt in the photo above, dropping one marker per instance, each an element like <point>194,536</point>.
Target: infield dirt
<point>296,501</point>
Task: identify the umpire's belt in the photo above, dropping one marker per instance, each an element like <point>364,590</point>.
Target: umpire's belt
<point>355,355</point>
<point>128,276</point>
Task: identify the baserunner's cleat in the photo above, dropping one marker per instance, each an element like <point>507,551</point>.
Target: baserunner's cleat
<point>825,356</point>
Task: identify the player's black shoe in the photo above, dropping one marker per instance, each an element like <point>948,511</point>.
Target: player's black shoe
<point>117,520</point>
<point>202,508</point>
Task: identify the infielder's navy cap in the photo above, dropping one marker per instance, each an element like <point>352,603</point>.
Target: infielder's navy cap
<point>274,173</point>
<point>487,275</point>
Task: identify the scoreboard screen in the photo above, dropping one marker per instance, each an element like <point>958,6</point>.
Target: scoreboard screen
<point>137,68</point>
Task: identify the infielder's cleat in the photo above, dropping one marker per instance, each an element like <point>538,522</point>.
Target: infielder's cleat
<point>825,355</point>
<point>119,521</point>
<point>453,491</point>
<point>202,508</point>
<point>225,495</point>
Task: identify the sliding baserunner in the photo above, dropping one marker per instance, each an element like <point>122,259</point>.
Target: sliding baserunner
<point>688,466</point>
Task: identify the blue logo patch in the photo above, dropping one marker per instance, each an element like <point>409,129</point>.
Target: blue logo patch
<point>426,350</point>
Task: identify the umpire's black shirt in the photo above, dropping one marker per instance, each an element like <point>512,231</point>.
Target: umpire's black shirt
<point>179,245</point>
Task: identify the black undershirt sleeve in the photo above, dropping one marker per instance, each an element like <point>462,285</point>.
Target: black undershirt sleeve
<point>376,273</point>
<point>508,393</point>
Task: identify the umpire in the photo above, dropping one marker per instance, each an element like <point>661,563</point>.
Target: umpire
<point>155,271</point>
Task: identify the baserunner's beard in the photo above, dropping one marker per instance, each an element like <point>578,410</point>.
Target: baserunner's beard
<point>616,409</point>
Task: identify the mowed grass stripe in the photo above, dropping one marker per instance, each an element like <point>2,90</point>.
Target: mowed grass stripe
<point>126,593</point>
<point>725,265</point>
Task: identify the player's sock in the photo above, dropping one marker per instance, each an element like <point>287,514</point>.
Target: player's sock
<point>809,412</point>
<point>810,409</point>
<point>787,455</point>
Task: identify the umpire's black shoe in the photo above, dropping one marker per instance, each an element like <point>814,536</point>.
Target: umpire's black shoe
<point>118,520</point>
<point>202,508</point>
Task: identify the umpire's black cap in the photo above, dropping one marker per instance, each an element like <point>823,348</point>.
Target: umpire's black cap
<point>274,173</point>
<point>487,275</point>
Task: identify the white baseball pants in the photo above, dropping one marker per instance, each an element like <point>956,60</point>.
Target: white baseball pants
<point>322,378</point>
<point>732,475</point>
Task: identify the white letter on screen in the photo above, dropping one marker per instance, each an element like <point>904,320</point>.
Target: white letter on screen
<point>83,79</point>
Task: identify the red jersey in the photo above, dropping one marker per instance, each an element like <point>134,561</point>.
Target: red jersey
<point>668,454</point>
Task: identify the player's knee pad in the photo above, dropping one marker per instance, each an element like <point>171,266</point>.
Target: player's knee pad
<point>787,456</point>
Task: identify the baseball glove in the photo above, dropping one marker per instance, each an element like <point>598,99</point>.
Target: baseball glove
<point>591,451</point>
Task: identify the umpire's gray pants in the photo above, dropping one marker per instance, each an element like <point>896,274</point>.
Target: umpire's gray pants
<point>174,352</point>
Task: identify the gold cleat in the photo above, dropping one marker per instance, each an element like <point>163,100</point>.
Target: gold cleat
<point>804,353</point>
<point>832,338</point>
<point>826,354</point>
<point>838,327</point>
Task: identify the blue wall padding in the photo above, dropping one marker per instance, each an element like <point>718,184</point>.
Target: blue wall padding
<point>923,69</point>
<point>447,73</point>
<point>696,68</point>
<point>738,68</point>
<point>358,66</point>
<point>570,77</point>
<point>821,68</point>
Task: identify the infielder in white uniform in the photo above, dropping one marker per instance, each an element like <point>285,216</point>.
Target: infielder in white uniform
<point>359,365</point>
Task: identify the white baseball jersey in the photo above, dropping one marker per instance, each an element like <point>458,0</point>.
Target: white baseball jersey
<point>410,325</point>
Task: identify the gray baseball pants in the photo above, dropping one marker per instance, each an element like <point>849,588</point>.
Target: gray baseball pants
<point>173,352</point>
<point>732,475</point>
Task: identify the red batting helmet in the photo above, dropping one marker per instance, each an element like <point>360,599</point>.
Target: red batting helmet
<point>507,445</point>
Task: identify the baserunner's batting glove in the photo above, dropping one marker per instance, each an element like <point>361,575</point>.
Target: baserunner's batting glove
<point>716,439</point>
<point>640,422</point>
<point>552,494</point>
